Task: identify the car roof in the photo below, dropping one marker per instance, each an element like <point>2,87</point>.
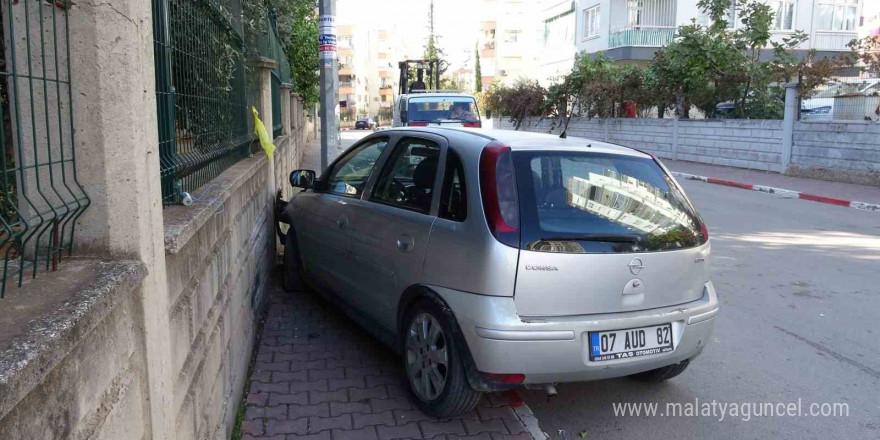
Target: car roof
<point>523,140</point>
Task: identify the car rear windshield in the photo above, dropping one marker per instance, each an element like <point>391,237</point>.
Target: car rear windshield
<point>574,202</point>
<point>442,108</point>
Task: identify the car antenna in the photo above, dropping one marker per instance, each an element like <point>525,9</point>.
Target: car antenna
<point>589,145</point>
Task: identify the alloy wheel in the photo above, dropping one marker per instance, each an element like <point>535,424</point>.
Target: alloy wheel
<point>427,359</point>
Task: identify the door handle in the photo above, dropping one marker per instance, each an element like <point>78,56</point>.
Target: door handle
<point>405,243</point>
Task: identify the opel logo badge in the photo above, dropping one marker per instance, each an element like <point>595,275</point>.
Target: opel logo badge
<point>636,266</point>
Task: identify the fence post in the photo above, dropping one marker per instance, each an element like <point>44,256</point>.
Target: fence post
<point>675,138</point>
<point>285,109</point>
<point>607,122</point>
<point>117,140</point>
<point>266,67</point>
<point>791,100</point>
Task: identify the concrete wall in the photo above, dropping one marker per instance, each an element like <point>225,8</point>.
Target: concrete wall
<point>219,260</point>
<point>159,350</point>
<point>848,151</point>
<point>72,358</point>
<point>739,143</point>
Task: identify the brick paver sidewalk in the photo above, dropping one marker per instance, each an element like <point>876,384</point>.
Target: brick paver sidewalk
<point>318,376</point>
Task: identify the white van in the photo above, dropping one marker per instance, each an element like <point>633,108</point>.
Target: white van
<point>449,109</point>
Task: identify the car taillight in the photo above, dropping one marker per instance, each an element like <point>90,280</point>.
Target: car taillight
<point>417,124</point>
<point>705,231</point>
<point>472,124</point>
<point>498,188</point>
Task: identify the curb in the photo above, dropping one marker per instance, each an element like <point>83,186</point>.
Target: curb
<point>787,193</point>
<point>526,416</point>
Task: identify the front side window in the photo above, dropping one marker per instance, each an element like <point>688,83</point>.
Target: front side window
<point>601,203</point>
<point>349,176</point>
<point>837,15</point>
<point>591,22</point>
<point>407,180</point>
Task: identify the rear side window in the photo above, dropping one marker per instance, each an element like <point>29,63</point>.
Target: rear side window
<point>453,199</point>
<point>601,203</point>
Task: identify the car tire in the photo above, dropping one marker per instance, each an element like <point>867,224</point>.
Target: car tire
<point>662,373</point>
<point>291,269</point>
<point>423,362</point>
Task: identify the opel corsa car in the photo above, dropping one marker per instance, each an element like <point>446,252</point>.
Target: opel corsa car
<point>495,259</point>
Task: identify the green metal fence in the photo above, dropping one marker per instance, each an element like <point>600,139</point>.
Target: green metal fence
<point>40,197</point>
<point>206,81</point>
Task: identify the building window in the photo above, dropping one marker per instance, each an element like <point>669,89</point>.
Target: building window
<point>511,36</point>
<point>837,15</point>
<point>591,22</point>
<point>783,17</point>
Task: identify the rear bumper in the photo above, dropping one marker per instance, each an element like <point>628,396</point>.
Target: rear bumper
<point>556,349</point>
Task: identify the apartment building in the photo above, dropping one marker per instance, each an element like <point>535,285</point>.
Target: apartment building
<point>367,70</point>
<point>557,40</point>
<point>508,38</point>
<point>633,30</point>
<point>347,96</point>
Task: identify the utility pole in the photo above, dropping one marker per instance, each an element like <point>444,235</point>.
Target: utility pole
<point>329,79</point>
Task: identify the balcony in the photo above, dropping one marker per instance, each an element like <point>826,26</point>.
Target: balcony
<point>385,91</point>
<point>645,23</point>
<point>346,69</point>
<point>384,74</point>
<point>646,36</point>
<point>833,40</point>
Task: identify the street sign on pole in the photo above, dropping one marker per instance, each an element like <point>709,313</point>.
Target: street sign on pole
<point>329,79</point>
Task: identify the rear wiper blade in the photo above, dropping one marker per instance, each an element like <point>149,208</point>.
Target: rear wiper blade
<point>610,238</point>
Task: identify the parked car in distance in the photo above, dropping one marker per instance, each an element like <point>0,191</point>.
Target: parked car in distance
<point>365,124</point>
<point>449,109</point>
<point>495,259</point>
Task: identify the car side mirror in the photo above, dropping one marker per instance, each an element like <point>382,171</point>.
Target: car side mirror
<point>304,179</point>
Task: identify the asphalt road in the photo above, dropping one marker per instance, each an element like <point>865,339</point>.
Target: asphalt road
<point>799,284</point>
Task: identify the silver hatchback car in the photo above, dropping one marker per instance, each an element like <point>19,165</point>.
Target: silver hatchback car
<point>495,259</point>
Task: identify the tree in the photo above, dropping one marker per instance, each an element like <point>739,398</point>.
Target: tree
<point>432,52</point>
<point>478,73</point>
<point>302,50</point>
<point>867,51</point>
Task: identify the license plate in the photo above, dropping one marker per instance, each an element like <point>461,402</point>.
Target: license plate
<point>634,342</point>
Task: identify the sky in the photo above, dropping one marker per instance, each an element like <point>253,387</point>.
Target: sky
<point>456,27</point>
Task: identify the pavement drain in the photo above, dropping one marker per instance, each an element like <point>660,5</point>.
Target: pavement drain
<point>319,376</point>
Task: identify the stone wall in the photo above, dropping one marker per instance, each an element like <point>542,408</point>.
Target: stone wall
<point>848,151</point>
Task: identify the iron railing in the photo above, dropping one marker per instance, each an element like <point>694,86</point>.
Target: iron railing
<point>207,78</point>
<point>649,36</point>
<point>40,196</point>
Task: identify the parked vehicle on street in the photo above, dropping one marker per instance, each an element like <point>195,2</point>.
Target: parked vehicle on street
<point>495,259</point>
<point>365,124</point>
<point>449,109</point>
